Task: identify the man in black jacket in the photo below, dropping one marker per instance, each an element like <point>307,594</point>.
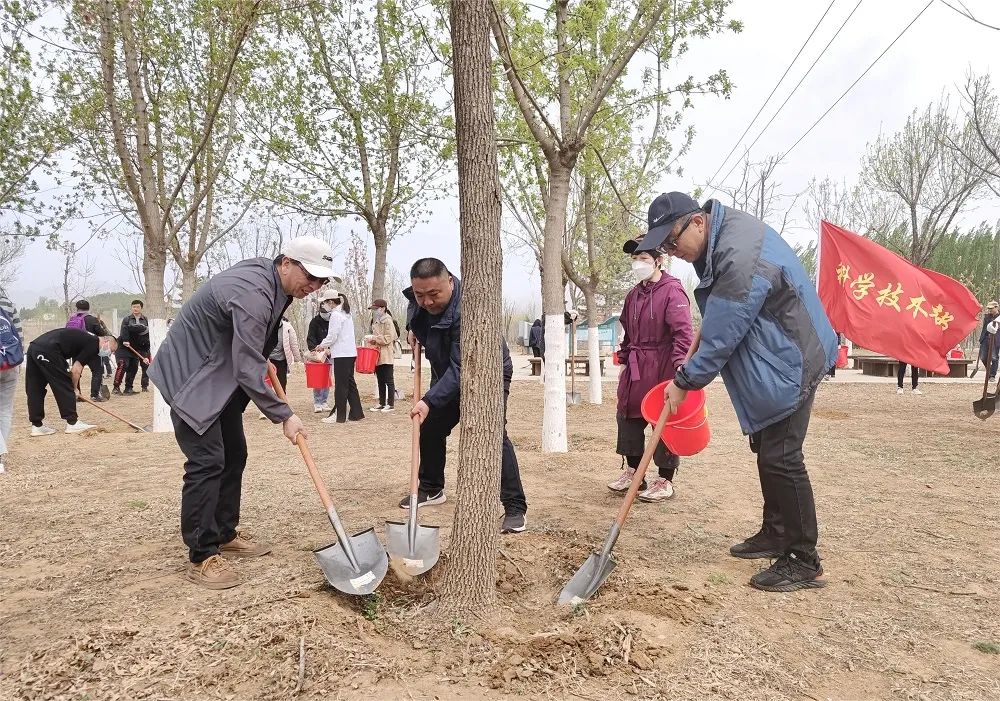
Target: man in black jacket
<point>434,319</point>
<point>86,321</point>
<point>135,336</point>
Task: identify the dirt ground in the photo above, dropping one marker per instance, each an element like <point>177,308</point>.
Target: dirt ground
<point>93,605</point>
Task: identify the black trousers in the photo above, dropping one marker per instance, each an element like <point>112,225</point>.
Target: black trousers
<point>789,507</point>
<point>132,366</point>
<point>96,376</point>
<point>901,373</point>
<point>281,370</point>
<point>386,385</point>
<point>345,391</point>
<point>632,444</point>
<point>213,479</point>
<point>434,434</point>
<point>44,367</point>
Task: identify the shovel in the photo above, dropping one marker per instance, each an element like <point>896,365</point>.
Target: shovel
<point>143,359</point>
<point>598,566</point>
<point>975,368</point>
<point>413,548</point>
<point>355,564</point>
<point>112,414</point>
<point>984,408</point>
<point>573,397</point>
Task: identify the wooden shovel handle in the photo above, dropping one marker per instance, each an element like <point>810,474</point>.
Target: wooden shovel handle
<point>303,443</point>
<point>139,355</point>
<point>415,438</point>
<point>112,414</point>
<point>640,471</point>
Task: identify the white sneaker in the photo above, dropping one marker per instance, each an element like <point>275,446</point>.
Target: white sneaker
<point>900,391</point>
<point>42,431</point>
<point>624,482</point>
<point>660,490</point>
<point>377,408</point>
<point>388,409</point>
<point>319,408</point>
<point>917,391</point>
<point>329,419</point>
<point>78,427</point>
<point>2,468</point>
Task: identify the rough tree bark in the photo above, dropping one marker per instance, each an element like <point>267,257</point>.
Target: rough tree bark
<point>470,580</point>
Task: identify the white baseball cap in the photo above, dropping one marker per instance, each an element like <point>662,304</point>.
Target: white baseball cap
<point>315,255</point>
<point>328,295</point>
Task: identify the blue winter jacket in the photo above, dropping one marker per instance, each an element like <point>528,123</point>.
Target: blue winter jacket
<point>763,326</point>
<point>440,338</point>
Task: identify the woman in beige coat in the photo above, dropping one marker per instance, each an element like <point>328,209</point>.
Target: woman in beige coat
<point>384,337</point>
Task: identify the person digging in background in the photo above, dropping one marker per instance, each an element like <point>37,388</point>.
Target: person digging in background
<point>764,329</point>
<point>384,337</point>
<point>135,335</point>
<point>434,319</point>
<point>656,318</point>
<point>210,367</point>
<point>285,354</point>
<point>319,326</point>
<point>341,346</point>
<point>56,359</point>
<point>990,315</point>
<point>11,359</point>
<point>83,320</point>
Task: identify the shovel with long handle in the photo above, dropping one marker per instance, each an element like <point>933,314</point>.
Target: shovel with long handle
<point>413,548</point>
<point>573,397</point>
<point>143,359</point>
<point>984,408</point>
<point>598,566</point>
<point>354,564</point>
<point>975,368</point>
<point>112,414</point>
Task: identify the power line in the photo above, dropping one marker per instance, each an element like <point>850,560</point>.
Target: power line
<point>968,15</point>
<point>773,90</point>
<point>797,85</point>
<point>851,87</point>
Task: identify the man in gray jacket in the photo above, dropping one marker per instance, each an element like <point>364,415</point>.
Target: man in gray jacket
<point>209,368</point>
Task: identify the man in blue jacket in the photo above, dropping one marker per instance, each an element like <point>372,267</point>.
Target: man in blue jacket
<point>764,329</point>
<point>434,319</point>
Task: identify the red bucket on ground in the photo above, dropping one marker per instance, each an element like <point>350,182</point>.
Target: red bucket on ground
<point>317,375</point>
<point>956,353</point>
<point>367,360</point>
<point>842,357</point>
<point>614,358</point>
<point>686,432</point>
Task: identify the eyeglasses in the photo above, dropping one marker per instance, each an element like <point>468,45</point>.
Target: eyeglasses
<point>309,276</point>
<point>671,244</point>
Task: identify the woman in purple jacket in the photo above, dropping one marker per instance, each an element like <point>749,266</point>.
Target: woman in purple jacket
<point>657,322</point>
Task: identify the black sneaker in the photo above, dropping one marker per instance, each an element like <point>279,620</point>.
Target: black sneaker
<point>424,499</point>
<point>514,523</point>
<point>145,389</point>
<point>789,573</point>
<point>758,547</point>
<point>129,392</point>
<point>116,390</point>
<point>98,398</point>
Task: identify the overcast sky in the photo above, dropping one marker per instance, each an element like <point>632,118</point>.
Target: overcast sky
<point>932,57</point>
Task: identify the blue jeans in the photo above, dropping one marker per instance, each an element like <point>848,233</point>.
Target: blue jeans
<point>991,366</point>
<point>321,395</point>
<point>8,383</point>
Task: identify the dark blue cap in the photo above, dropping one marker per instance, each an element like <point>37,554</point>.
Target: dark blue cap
<point>663,212</point>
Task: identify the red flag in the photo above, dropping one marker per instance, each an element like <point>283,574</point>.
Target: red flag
<point>884,303</point>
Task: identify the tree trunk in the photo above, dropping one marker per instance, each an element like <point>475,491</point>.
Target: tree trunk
<point>381,252</point>
<point>470,580</point>
<point>154,265</point>
<point>553,307</point>
<point>189,277</point>
<point>67,265</point>
<point>594,346</point>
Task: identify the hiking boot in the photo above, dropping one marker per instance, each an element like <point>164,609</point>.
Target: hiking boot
<point>660,490</point>
<point>78,427</point>
<point>758,547</point>
<point>424,499</point>
<point>514,523</point>
<point>213,573</point>
<point>789,573</point>
<point>41,431</point>
<point>129,392</point>
<point>622,484</point>
<point>116,390</point>
<point>243,545</point>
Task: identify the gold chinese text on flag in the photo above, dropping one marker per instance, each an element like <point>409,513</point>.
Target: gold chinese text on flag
<point>886,304</point>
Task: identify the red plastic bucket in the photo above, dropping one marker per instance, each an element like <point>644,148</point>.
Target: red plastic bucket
<point>956,353</point>
<point>614,358</point>
<point>317,375</point>
<point>842,357</point>
<point>367,360</point>
<point>686,432</point>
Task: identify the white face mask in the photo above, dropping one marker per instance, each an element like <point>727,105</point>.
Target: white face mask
<point>327,307</point>
<point>642,271</point>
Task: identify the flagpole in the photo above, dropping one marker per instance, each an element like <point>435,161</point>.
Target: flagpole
<point>819,245</point>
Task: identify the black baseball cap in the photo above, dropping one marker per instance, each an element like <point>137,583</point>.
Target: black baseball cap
<point>663,212</point>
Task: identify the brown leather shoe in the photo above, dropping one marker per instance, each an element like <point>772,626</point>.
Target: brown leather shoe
<point>213,573</point>
<point>243,545</point>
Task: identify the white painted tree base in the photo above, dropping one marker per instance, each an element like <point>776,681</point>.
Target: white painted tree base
<point>594,355</point>
<point>161,412</point>
<point>554,412</point>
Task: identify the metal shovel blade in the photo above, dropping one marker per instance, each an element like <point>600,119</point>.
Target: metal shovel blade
<point>368,553</point>
<point>573,398</point>
<point>422,556</point>
<point>587,580</point>
<point>985,407</point>
<point>105,393</point>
